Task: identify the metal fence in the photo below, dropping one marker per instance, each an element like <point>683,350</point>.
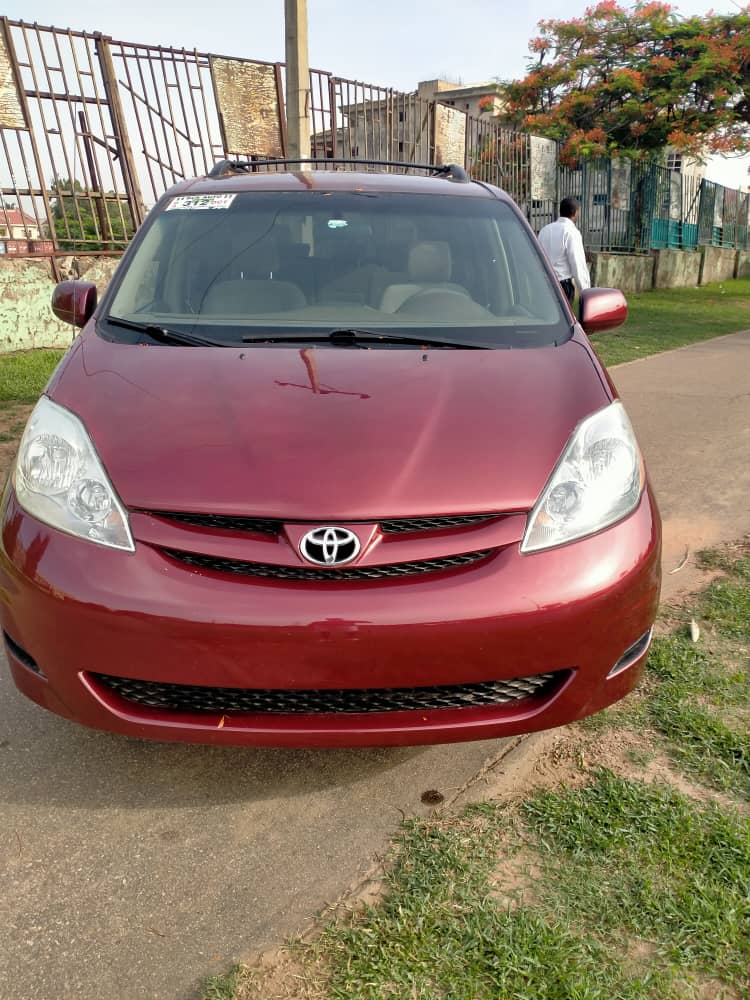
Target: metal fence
<point>93,131</point>
<point>633,207</point>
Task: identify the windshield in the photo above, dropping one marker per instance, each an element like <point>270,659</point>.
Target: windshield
<point>228,266</point>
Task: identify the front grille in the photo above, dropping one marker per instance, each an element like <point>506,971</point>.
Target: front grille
<point>273,572</point>
<point>404,524</point>
<point>195,698</point>
<point>264,525</point>
<point>272,526</point>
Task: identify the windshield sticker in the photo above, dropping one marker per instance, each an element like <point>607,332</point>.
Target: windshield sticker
<point>198,202</point>
<point>337,223</point>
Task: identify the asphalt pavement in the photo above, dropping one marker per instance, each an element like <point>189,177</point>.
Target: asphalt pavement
<point>129,870</point>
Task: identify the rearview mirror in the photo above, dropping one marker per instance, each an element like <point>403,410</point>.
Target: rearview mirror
<point>602,309</point>
<point>74,302</point>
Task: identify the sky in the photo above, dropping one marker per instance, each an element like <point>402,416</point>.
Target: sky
<point>393,43</point>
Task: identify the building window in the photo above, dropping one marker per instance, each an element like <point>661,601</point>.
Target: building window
<point>401,116</point>
<point>674,162</point>
<point>401,147</point>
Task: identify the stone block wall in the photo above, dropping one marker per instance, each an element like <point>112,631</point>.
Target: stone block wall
<point>26,284</point>
<point>676,268</point>
<point>628,272</point>
<point>718,264</point>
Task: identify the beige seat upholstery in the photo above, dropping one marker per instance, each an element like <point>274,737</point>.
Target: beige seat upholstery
<point>429,266</point>
<point>430,262</point>
<point>252,296</point>
<point>251,285</point>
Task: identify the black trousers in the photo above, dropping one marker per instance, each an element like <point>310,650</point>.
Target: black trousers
<point>569,288</point>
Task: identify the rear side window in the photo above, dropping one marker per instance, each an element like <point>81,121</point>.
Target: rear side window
<point>322,260</point>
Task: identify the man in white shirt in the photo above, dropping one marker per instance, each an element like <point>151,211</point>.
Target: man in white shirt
<point>563,244</point>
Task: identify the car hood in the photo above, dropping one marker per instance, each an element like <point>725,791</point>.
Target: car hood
<point>328,433</point>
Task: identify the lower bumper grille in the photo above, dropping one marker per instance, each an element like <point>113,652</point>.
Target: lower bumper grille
<point>274,572</point>
<point>196,698</point>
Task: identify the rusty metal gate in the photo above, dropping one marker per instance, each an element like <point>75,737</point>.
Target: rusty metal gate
<point>93,131</point>
<point>66,177</point>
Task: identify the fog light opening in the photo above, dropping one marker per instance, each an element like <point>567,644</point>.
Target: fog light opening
<point>631,654</point>
<point>20,654</point>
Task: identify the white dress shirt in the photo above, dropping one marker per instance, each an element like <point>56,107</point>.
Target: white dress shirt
<point>563,244</point>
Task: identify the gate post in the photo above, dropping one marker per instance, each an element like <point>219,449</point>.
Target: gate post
<point>122,141</point>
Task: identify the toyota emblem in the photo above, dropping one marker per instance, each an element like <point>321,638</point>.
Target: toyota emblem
<point>329,546</point>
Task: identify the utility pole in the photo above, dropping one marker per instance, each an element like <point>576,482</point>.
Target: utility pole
<point>297,80</point>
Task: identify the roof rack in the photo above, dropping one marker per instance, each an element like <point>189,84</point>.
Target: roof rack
<point>225,168</point>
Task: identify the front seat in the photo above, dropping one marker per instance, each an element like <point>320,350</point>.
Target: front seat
<point>250,296</point>
<point>429,266</point>
<point>254,287</point>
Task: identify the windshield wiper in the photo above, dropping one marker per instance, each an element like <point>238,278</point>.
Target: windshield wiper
<point>350,336</point>
<point>164,334</point>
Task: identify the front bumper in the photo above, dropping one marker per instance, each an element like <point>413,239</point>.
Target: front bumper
<point>75,610</point>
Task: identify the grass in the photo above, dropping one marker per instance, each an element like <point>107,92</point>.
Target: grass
<point>23,376</point>
<point>612,886</point>
<point>222,987</point>
<point>619,864</point>
<point>644,860</point>
<point>664,319</point>
<point>13,433</point>
<point>441,933</point>
<point>702,702</point>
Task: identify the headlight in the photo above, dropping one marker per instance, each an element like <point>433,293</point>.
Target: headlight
<point>60,479</point>
<point>597,481</point>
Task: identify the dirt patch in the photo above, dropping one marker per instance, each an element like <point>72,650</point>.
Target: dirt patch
<point>278,975</point>
<point>640,952</point>
<point>711,989</point>
<point>13,417</point>
<point>511,883</point>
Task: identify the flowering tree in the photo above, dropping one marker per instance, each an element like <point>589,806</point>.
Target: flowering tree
<point>631,81</point>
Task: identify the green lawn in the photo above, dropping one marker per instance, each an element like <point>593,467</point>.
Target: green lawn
<point>661,320</point>
<point>23,376</point>
<point>620,882</point>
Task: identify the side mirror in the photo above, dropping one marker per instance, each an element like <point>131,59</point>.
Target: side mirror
<point>602,309</point>
<point>74,302</point>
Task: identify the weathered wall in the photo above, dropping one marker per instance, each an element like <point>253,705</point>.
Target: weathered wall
<point>26,319</point>
<point>742,264</point>
<point>718,264</point>
<point>543,168</point>
<point>668,268</point>
<point>676,268</point>
<point>628,272</point>
<point>450,134</point>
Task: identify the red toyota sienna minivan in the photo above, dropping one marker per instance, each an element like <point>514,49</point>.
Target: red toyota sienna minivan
<point>332,463</point>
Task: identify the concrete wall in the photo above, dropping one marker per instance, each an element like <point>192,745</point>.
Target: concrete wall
<point>718,264</point>
<point>668,268</point>
<point>26,318</point>
<point>628,272</point>
<point>676,268</point>
<point>742,264</point>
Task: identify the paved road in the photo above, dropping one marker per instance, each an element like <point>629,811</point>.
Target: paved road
<point>691,411</point>
<point>128,870</point>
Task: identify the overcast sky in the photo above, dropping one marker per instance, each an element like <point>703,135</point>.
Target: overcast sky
<point>389,42</point>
